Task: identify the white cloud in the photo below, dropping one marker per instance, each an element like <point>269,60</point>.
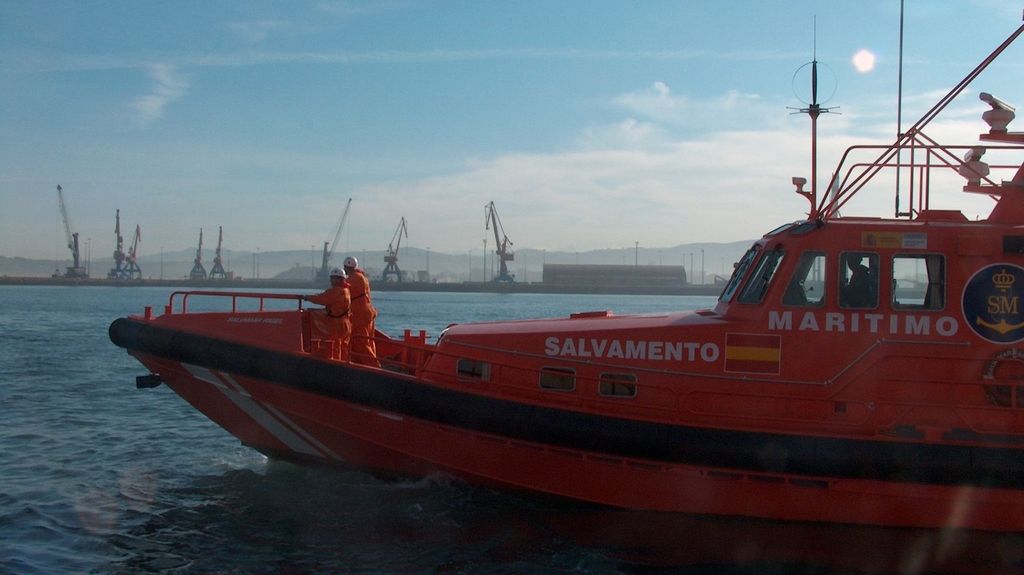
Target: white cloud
<point>628,134</point>
<point>169,85</point>
<point>632,181</point>
<point>656,102</point>
<point>258,31</point>
<point>584,199</point>
<point>348,8</point>
<point>731,110</point>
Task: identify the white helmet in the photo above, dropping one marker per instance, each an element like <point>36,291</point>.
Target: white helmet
<point>351,262</point>
<point>338,273</point>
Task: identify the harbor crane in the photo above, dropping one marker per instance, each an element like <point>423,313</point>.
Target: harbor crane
<point>322,276</point>
<point>198,271</point>
<point>501,243</point>
<point>217,272</point>
<point>118,271</point>
<point>126,266</point>
<point>132,269</point>
<point>391,259</point>
<point>76,269</point>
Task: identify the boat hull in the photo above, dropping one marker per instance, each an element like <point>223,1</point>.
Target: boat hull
<point>297,406</point>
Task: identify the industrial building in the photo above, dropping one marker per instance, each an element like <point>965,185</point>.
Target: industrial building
<point>604,277</point>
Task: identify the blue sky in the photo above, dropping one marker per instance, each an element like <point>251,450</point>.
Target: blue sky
<point>590,124</point>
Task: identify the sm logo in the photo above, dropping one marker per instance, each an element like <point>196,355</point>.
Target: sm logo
<point>992,303</point>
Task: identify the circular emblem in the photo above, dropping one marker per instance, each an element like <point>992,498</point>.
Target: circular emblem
<point>992,303</point>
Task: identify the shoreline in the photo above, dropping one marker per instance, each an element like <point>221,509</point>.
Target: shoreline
<point>454,287</point>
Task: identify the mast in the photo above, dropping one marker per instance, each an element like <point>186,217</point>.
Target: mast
<point>813,110</point>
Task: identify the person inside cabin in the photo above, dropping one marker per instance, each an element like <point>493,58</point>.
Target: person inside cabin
<point>333,322</point>
<point>859,289</point>
<point>364,349</point>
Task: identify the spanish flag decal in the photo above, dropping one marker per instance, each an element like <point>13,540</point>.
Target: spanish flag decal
<point>751,353</point>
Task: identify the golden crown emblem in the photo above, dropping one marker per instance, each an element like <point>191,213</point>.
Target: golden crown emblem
<point>1003,280</point>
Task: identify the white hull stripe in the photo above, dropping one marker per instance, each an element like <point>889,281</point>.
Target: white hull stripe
<point>282,429</point>
<point>283,419</point>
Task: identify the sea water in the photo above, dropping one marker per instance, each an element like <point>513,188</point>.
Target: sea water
<point>99,477</point>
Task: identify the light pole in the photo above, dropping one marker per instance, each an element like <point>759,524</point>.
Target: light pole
<point>636,254</point>
<point>428,263</point>
<point>702,266</point>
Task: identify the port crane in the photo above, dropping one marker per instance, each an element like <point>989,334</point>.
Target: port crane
<point>391,259</point>
<point>501,243</point>
<point>76,270</point>
<point>217,271</point>
<point>198,271</point>
<point>132,269</point>
<point>118,271</point>
<point>126,266</point>
<point>325,269</point>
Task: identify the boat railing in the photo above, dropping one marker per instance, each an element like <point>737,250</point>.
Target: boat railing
<point>920,161</point>
<point>260,299</point>
<point>909,141</point>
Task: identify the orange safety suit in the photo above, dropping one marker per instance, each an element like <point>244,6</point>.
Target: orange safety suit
<point>333,321</point>
<point>364,349</point>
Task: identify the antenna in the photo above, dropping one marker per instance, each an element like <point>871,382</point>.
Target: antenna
<point>813,110</point>
<point>899,117</point>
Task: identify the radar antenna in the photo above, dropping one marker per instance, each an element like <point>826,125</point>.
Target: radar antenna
<point>813,110</point>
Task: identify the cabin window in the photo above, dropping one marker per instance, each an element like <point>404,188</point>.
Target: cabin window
<point>617,385</point>
<point>804,228</point>
<point>762,277</point>
<point>1013,244</point>
<point>858,280</point>
<point>807,286</point>
<point>918,281</point>
<point>474,369</point>
<point>739,270</point>
<point>779,229</point>
<point>558,378</point>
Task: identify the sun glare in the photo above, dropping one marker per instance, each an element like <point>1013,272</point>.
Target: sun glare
<point>864,61</point>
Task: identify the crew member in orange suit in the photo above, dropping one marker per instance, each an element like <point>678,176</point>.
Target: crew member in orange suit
<point>333,321</point>
<point>364,350</point>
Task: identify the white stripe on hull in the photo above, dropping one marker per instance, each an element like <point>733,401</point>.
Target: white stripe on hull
<point>270,419</point>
